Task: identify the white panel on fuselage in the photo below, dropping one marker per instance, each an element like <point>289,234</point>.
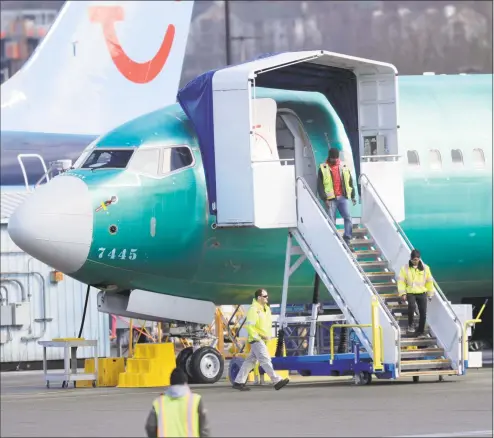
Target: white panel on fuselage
<point>387,179</point>
<point>232,138</point>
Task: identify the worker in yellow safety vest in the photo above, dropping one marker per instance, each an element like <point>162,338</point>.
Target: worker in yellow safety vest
<point>259,327</point>
<point>415,285</point>
<point>335,188</point>
<point>178,412</point>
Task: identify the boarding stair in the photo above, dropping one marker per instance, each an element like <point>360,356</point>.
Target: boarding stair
<point>419,356</point>
<point>367,272</point>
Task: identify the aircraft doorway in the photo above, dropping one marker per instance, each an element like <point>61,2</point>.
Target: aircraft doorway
<point>294,145</point>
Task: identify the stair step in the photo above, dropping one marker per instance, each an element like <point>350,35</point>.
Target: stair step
<point>403,321</point>
<point>406,335</point>
<point>398,310</point>
<point>367,254</point>
<point>397,305</point>
<point>374,265</point>
<point>429,373</point>
<point>409,365</point>
<point>387,286</point>
<point>422,352</point>
<point>390,298</point>
<point>362,242</point>
<point>418,342</point>
<point>380,275</point>
<point>355,231</point>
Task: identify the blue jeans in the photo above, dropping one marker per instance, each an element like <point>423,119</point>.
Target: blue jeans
<point>341,204</point>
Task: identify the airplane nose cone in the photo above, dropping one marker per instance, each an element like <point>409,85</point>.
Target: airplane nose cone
<point>55,224</point>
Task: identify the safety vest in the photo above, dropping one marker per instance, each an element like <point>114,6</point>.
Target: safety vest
<point>177,417</point>
<point>414,281</point>
<point>258,322</point>
<point>327,180</point>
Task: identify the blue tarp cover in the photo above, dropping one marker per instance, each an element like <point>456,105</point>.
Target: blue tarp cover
<point>338,85</point>
<point>196,99</point>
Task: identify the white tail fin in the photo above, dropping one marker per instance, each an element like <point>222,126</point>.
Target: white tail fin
<point>101,64</point>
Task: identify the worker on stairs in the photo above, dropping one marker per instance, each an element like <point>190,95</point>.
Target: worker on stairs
<point>259,326</point>
<point>335,188</point>
<point>415,285</point>
<point>178,412</point>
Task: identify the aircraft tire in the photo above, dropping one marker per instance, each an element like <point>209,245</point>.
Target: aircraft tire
<point>207,365</point>
<point>183,362</point>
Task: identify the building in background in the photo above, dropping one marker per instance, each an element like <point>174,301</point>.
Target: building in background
<point>39,303</point>
<point>21,32</point>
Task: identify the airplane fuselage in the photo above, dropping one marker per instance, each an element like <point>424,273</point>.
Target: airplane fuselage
<point>158,235</point>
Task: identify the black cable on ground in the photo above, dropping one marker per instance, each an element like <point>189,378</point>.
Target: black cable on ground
<point>343,344</point>
<point>280,342</point>
<point>84,313</point>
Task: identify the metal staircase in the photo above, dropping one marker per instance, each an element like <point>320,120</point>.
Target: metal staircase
<point>418,356</point>
<point>360,277</point>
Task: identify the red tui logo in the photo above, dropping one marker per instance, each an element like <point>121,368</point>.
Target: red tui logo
<point>138,72</point>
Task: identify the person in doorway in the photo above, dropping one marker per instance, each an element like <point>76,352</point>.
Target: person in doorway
<point>335,188</point>
<point>178,412</point>
<point>415,285</point>
<point>259,325</point>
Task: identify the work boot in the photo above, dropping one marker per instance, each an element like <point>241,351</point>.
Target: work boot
<point>281,384</point>
<point>240,386</point>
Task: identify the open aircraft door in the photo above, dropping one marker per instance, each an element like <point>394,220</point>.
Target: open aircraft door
<point>273,179</point>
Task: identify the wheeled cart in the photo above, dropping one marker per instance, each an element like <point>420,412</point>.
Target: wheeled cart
<point>70,361</point>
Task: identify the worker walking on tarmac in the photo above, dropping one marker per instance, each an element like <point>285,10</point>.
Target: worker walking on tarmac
<point>335,188</point>
<point>178,412</point>
<point>259,325</point>
<point>415,285</point>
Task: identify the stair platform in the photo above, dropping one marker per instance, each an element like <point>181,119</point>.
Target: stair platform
<point>344,364</point>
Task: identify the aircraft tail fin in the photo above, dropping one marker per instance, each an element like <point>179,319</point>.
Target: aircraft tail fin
<point>100,64</point>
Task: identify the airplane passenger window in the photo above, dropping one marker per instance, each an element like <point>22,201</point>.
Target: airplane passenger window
<point>176,158</point>
<point>146,161</point>
<point>108,158</point>
<point>456,157</point>
<point>435,159</point>
<point>413,158</point>
<point>478,158</point>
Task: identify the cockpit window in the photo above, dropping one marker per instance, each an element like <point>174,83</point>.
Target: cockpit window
<point>176,158</point>
<point>108,159</point>
<point>146,161</point>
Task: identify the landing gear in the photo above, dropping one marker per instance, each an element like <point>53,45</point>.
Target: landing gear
<point>441,378</point>
<point>416,379</point>
<point>205,365</point>
<point>183,362</point>
<point>363,378</point>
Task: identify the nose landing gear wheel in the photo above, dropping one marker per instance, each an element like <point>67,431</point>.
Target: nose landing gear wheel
<point>206,365</point>
<point>183,362</point>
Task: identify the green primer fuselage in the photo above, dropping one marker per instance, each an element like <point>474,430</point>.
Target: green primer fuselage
<point>448,211</point>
